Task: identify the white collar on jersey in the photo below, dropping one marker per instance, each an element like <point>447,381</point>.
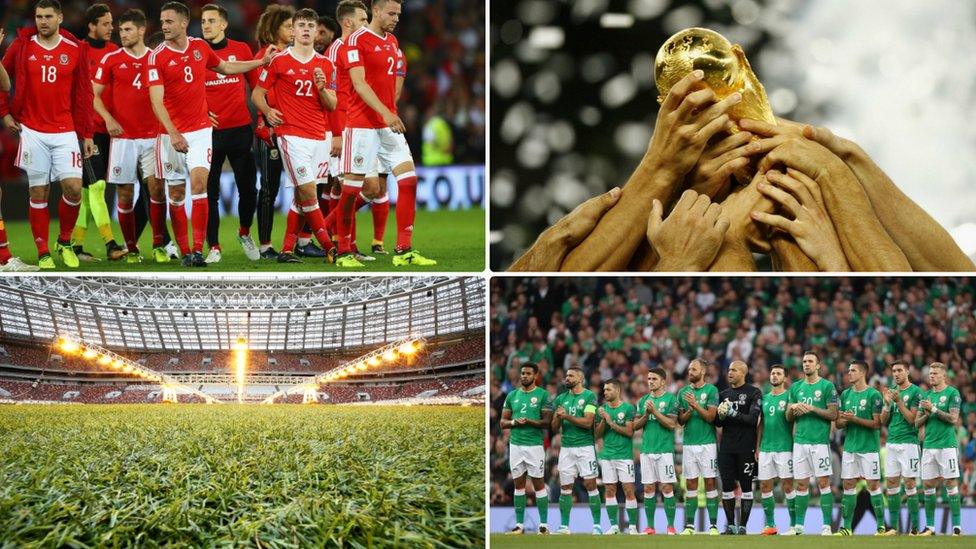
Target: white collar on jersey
<point>38,42</point>
<point>291,52</point>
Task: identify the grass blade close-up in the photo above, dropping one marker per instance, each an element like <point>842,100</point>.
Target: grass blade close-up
<point>269,476</point>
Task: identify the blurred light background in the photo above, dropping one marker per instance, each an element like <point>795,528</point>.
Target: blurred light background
<point>573,101</point>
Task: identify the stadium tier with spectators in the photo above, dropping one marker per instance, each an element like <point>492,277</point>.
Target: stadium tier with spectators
<point>619,328</point>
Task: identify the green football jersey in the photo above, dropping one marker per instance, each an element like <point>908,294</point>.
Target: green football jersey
<point>863,404</point>
<point>811,428</point>
<point>777,433</point>
<point>615,445</point>
<point>697,430</point>
<point>939,434</point>
<point>900,431</point>
<point>658,439</point>
<point>530,405</point>
<point>576,406</point>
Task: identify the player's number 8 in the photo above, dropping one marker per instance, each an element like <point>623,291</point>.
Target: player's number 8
<point>188,74</point>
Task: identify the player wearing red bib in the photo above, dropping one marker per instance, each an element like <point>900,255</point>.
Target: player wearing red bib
<point>299,78</point>
<point>177,80</point>
<point>122,101</point>
<point>374,131</point>
<point>94,174</point>
<point>232,136</point>
<point>52,110</point>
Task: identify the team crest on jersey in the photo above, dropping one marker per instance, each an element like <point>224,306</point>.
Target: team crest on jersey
<point>581,401</point>
<point>167,167</point>
<point>358,160</point>
<point>533,400</point>
<point>942,398</point>
<point>63,59</point>
<point>25,158</point>
<point>782,404</point>
<point>274,154</point>
<point>702,397</point>
<point>301,171</point>
<point>620,415</point>
<point>816,394</point>
<point>905,398</point>
<point>232,58</point>
<point>196,55</point>
<point>863,402</point>
<point>117,170</point>
<point>660,405</point>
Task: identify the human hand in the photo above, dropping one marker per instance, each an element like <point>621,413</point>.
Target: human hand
<point>336,145</point>
<point>88,148</point>
<point>11,123</point>
<point>319,78</point>
<point>394,122</point>
<point>520,421</point>
<point>604,414</point>
<point>717,164</point>
<point>688,118</point>
<point>887,394</point>
<point>178,142</point>
<point>274,117</point>
<point>925,405</point>
<point>811,226</point>
<point>549,250</point>
<point>689,239</point>
<point>846,415</point>
<point>269,53</point>
<point>113,128</point>
<point>689,398</point>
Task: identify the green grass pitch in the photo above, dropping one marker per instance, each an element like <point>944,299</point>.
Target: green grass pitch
<point>193,475</point>
<point>456,239</point>
<point>501,541</point>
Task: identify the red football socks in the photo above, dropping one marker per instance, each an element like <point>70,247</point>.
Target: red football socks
<point>40,222</point>
<point>406,208</point>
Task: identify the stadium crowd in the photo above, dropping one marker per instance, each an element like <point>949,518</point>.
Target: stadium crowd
<point>619,328</point>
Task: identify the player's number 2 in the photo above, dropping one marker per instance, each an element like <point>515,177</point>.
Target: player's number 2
<point>49,73</point>
<point>390,69</point>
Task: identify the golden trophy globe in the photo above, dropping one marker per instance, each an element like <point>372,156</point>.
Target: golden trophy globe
<point>725,66</point>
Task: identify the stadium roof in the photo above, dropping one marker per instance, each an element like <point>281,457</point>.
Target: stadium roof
<point>283,313</point>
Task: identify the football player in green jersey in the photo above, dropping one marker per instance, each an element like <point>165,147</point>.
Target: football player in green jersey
<point>698,404</point>
<point>574,414</point>
<point>658,419</point>
<point>860,417</point>
<point>939,413</point>
<point>902,458</point>
<point>615,424</point>
<point>812,406</point>
<point>775,450</point>
<point>526,413</point>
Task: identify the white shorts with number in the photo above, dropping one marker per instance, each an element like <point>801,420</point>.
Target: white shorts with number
<point>811,460</point>
<point>306,160</point>
<point>526,459</point>
<point>48,157</point>
<point>855,465</point>
<point>902,460</point>
<point>657,468</point>
<point>940,463</point>
<point>362,146</point>
<point>775,465</point>
<point>699,460</point>
<point>614,470</point>
<point>576,462</point>
<point>126,155</point>
<point>176,166</point>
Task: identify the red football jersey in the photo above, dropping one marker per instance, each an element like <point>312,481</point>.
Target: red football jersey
<point>94,56</point>
<point>126,94</point>
<point>336,53</point>
<point>51,72</point>
<point>400,72</point>
<point>183,77</point>
<point>378,57</point>
<point>226,95</point>
<point>293,82</point>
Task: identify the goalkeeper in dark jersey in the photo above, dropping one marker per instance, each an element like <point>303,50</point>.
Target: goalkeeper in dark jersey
<point>738,414</point>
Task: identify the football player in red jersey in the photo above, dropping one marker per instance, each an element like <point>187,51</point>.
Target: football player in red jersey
<point>177,76</point>
<point>52,110</point>
<point>301,125</point>
<point>8,263</point>
<point>374,132</point>
<point>122,101</point>
<point>274,27</point>
<point>232,135</point>
<point>99,43</point>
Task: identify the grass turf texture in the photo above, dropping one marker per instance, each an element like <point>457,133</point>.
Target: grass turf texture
<point>501,541</point>
<point>456,239</point>
<point>270,476</point>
